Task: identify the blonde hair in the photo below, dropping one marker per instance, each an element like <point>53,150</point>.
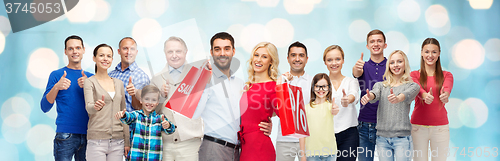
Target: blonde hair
<point>388,75</point>
<point>330,48</point>
<point>273,68</point>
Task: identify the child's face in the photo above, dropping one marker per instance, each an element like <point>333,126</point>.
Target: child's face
<point>149,102</point>
<point>321,88</point>
<point>397,64</point>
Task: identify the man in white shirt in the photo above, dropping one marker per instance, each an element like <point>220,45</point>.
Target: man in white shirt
<point>219,105</point>
<point>287,147</point>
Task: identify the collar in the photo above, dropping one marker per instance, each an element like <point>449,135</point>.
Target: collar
<point>304,76</point>
<point>382,63</point>
<point>218,74</point>
<point>132,67</point>
<point>142,113</point>
<point>170,68</point>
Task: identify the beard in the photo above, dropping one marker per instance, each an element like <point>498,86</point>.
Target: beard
<point>222,66</point>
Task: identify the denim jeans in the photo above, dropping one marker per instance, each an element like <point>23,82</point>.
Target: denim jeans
<point>322,158</point>
<point>367,140</point>
<point>67,145</point>
<point>347,144</point>
<point>396,148</point>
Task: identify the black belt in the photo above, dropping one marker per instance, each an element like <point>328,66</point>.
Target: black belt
<point>221,142</point>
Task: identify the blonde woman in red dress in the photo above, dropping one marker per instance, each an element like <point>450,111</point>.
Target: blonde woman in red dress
<point>258,103</point>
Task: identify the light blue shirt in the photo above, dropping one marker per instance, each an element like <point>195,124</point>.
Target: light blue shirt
<point>219,106</point>
<point>139,79</point>
<point>175,73</point>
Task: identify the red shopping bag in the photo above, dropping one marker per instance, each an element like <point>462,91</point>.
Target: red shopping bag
<point>292,111</point>
<point>187,95</point>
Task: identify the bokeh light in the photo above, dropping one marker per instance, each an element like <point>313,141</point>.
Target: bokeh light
<point>281,31</point>
<point>150,8</point>
<point>358,30</point>
<point>41,63</point>
<point>492,49</point>
<point>409,10</point>
<point>473,112</point>
<point>468,54</point>
<point>480,4</point>
<point>147,32</point>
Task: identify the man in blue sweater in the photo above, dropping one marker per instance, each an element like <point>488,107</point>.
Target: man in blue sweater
<point>65,86</point>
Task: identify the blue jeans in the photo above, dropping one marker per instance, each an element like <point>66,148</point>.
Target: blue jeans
<point>67,145</point>
<point>322,158</point>
<point>367,140</point>
<point>396,148</point>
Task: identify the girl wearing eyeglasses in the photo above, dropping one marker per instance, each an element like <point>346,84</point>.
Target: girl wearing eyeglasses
<point>321,143</point>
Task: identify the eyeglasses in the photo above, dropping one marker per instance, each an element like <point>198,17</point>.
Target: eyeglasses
<point>323,87</point>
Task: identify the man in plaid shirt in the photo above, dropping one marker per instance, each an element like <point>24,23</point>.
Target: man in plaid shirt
<point>128,71</point>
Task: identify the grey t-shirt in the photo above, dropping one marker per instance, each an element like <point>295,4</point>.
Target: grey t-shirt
<point>393,119</point>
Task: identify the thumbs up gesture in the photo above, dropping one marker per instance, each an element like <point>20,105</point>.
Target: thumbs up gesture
<point>344,100</point>
<point>428,97</point>
<point>130,87</point>
<point>359,64</point>
<point>99,104</point>
<point>392,97</point>
<point>335,108</point>
<point>82,79</point>
<point>366,98</point>
<point>444,96</point>
<point>63,83</point>
<point>164,122</point>
<point>120,114</point>
<point>165,88</point>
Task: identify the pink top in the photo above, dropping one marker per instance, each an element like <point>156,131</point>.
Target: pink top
<point>433,114</point>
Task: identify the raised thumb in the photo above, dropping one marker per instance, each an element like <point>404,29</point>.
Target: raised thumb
<point>83,74</point>
<point>392,91</point>
<point>64,75</point>
<point>103,98</point>
<point>368,92</point>
<point>162,117</point>
<point>361,56</point>
<point>129,80</point>
<point>430,91</point>
<point>343,91</point>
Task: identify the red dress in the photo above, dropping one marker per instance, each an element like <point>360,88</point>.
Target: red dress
<point>257,105</point>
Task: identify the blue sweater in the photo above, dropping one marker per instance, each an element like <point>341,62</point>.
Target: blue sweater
<point>71,114</point>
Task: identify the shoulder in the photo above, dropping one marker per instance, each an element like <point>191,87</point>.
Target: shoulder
<point>88,73</point>
<point>415,73</point>
<point>446,73</point>
<point>350,79</point>
<point>116,80</point>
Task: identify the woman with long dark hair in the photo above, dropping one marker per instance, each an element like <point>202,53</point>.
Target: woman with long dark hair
<point>429,119</point>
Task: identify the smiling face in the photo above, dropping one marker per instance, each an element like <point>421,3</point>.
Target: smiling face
<point>321,89</point>
<point>74,50</point>
<point>149,102</point>
<point>261,60</point>
<point>297,59</point>
<point>430,54</point>
<point>334,61</point>
<point>175,53</point>
<point>128,51</point>
<point>103,58</point>
<point>376,44</point>
<point>223,53</point>
<point>397,64</point>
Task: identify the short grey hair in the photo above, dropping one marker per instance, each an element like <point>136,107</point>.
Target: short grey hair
<point>175,38</point>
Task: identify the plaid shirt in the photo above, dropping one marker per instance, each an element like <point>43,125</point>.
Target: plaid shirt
<point>146,141</point>
<point>139,79</point>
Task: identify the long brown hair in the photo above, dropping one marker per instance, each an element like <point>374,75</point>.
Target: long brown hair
<point>438,73</point>
<point>316,79</point>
